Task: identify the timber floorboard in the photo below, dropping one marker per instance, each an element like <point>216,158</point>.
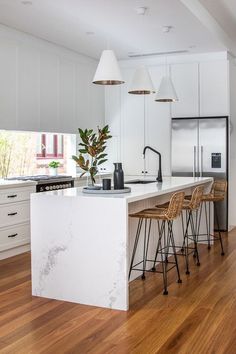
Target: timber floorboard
<point>197,317</point>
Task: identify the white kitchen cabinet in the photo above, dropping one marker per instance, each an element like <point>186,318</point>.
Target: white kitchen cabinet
<point>113,119</point>
<point>14,220</point>
<point>158,128</point>
<point>67,96</point>
<point>139,129</point>
<point>46,88</point>
<point>49,92</point>
<point>133,128</point>
<point>185,80</point>
<point>28,89</point>
<point>8,85</point>
<point>214,95</point>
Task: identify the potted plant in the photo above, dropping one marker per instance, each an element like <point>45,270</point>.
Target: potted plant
<point>93,145</point>
<point>53,167</point>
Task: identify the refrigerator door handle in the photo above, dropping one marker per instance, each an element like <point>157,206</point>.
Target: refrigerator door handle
<point>194,160</point>
<point>201,171</point>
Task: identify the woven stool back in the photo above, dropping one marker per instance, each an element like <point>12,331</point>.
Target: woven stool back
<point>175,205</point>
<point>219,188</point>
<point>196,197</point>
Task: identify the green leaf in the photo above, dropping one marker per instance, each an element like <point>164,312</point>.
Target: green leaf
<point>102,161</point>
<point>101,156</point>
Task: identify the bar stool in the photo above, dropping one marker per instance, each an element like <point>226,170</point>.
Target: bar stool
<point>164,217</point>
<point>191,207</point>
<point>216,195</point>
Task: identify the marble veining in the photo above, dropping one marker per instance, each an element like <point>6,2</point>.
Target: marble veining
<point>81,247</point>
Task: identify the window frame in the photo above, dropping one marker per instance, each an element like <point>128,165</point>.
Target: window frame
<point>44,155</point>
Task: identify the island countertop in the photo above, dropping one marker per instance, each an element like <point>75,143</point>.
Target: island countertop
<point>81,244</point>
<point>138,191</point>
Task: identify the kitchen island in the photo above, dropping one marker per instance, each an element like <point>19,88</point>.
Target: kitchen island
<point>81,243</point>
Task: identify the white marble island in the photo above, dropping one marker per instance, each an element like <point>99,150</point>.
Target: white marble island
<point>81,244</point>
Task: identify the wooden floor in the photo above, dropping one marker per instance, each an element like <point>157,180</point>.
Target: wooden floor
<point>198,316</point>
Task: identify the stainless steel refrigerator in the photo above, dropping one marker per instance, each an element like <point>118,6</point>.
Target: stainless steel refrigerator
<point>200,149</point>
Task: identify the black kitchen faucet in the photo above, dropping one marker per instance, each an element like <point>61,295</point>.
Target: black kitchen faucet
<point>159,176</point>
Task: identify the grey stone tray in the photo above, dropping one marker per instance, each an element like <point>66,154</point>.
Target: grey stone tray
<point>111,191</point>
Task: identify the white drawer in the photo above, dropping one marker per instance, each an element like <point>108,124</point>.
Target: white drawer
<point>14,236</point>
<point>15,195</point>
<point>14,213</point>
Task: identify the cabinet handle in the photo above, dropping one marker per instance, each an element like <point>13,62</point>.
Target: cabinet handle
<point>13,235</point>
<point>12,196</point>
<point>11,214</point>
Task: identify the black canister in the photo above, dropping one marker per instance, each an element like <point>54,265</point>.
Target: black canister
<point>118,176</point>
<point>106,184</point>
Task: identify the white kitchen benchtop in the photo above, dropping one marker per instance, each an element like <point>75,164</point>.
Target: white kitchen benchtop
<point>138,191</point>
<point>15,183</point>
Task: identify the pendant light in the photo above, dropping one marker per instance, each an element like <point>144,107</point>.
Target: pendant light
<point>108,71</point>
<point>141,83</point>
<point>166,92</point>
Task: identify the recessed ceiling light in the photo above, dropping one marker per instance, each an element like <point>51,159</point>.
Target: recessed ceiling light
<point>141,10</point>
<point>90,33</point>
<point>26,2</point>
<point>166,29</point>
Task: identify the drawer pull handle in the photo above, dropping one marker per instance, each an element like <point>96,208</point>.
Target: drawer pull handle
<point>11,214</point>
<point>13,235</point>
<point>12,196</point>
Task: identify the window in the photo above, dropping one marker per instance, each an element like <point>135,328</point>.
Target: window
<point>50,146</point>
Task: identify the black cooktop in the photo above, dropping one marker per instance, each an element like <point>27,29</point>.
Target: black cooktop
<point>38,178</point>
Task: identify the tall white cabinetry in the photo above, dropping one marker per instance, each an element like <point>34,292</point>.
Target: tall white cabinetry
<point>185,79</point>
<point>136,121</point>
<point>46,88</point>
<point>214,90</point>
<point>202,89</point>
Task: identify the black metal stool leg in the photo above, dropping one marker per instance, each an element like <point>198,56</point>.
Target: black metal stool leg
<point>140,222</point>
<point>164,264</point>
<point>145,246</point>
<point>160,231</point>
<point>182,221</point>
<point>218,226</point>
<point>194,227</point>
<point>186,246</point>
<point>170,225</point>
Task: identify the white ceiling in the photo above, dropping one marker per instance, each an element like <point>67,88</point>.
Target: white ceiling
<point>224,11</point>
<point>115,24</point>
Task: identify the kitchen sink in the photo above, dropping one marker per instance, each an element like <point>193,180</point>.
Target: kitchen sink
<point>140,181</point>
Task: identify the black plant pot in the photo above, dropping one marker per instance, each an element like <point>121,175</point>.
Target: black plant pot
<point>118,176</point>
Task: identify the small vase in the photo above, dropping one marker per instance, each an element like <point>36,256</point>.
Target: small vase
<point>118,176</point>
<point>91,184</point>
<point>53,171</point>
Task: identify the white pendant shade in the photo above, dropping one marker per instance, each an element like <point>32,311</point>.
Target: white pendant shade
<point>166,92</point>
<point>108,71</point>
<point>142,82</point>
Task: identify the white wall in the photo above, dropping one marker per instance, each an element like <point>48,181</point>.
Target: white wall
<point>45,87</point>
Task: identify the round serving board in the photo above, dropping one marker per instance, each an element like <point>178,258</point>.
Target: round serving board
<point>102,191</point>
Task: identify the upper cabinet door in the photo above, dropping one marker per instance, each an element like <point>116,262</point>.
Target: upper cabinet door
<point>67,97</point>
<point>214,88</point>
<point>28,90</point>
<point>8,84</point>
<point>185,80</point>
<point>49,92</point>
<point>133,127</point>
<point>158,127</point>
